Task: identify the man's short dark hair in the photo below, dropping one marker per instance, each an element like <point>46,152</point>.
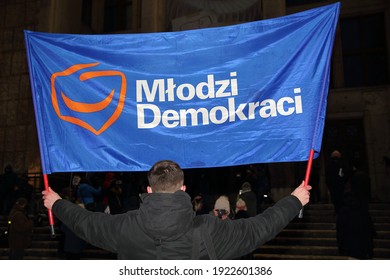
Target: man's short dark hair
<point>166,176</point>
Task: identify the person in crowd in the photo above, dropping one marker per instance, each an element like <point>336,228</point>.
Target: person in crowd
<point>26,189</point>
<point>241,210</point>
<point>360,184</point>
<point>21,189</point>
<point>336,177</point>
<point>75,184</point>
<point>130,192</point>
<point>86,194</point>
<point>222,208</point>
<point>355,229</point>
<point>20,230</point>
<point>198,205</point>
<point>115,197</point>
<point>166,227</point>
<point>259,177</point>
<point>8,182</point>
<point>108,179</point>
<point>249,197</point>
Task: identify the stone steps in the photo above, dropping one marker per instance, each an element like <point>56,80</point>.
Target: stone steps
<point>44,247</point>
<point>314,236</point>
<point>272,256</point>
<point>49,253</point>
<point>300,249</point>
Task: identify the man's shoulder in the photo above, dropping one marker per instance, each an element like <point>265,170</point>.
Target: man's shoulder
<point>205,219</point>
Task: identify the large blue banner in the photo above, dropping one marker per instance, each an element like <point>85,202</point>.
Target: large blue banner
<point>242,94</point>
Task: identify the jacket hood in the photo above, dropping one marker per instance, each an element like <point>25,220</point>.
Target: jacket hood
<point>166,216</point>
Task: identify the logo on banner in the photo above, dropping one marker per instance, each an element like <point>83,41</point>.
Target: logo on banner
<point>84,107</point>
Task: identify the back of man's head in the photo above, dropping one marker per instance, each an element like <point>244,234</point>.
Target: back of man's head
<point>166,176</point>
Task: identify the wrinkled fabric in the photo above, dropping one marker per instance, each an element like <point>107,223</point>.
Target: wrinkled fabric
<point>233,95</point>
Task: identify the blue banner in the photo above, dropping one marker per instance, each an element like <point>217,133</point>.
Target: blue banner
<point>241,94</point>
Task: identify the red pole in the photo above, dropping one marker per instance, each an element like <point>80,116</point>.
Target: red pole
<point>49,212</point>
<point>307,176</point>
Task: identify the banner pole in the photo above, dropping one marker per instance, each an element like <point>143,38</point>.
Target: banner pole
<point>307,176</point>
<point>49,212</point>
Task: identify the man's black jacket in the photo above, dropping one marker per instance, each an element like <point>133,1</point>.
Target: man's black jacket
<point>163,228</point>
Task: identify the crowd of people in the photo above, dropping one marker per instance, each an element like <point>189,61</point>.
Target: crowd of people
<point>248,195</point>
<point>165,225</point>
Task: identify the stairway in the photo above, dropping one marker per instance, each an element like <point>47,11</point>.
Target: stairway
<point>311,238</point>
<point>314,236</point>
<point>44,247</point>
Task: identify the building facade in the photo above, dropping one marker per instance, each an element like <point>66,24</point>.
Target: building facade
<point>358,111</point>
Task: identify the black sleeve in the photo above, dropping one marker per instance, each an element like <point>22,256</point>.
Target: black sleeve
<point>235,238</point>
<point>98,229</point>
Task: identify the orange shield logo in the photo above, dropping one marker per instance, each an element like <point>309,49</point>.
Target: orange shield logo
<point>83,107</point>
